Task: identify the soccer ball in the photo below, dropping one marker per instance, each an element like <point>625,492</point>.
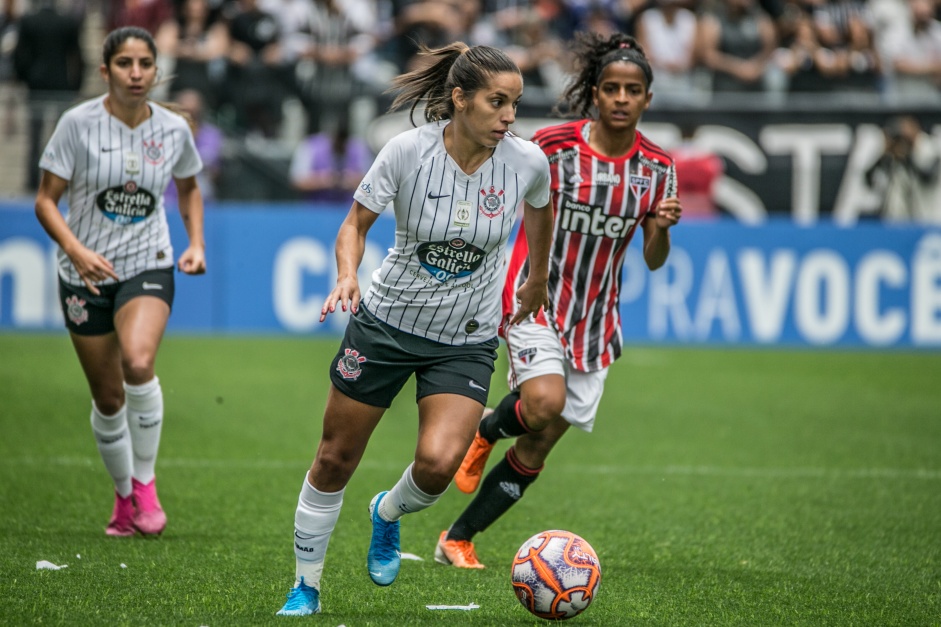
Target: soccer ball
<point>556,575</point>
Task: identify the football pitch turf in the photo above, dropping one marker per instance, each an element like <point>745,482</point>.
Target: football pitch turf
<point>720,487</point>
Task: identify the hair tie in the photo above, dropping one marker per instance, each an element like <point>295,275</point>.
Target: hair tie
<point>624,44</point>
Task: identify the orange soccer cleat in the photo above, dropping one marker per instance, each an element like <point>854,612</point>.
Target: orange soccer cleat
<point>459,553</point>
<point>472,468</point>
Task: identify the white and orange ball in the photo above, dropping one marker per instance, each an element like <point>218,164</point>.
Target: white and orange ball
<point>556,574</point>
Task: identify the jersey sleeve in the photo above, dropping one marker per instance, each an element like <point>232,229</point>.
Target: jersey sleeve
<point>189,163</point>
<point>537,195</point>
<point>381,183</point>
<point>59,155</point>
<point>666,187</point>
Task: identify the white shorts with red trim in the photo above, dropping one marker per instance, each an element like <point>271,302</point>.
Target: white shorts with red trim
<point>534,351</point>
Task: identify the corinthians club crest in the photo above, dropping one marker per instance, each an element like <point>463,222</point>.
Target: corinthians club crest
<point>349,364</point>
<point>75,307</point>
<point>492,204</point>
<point>153,152</point>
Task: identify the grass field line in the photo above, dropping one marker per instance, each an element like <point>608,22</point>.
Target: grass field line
<point>798,472</point>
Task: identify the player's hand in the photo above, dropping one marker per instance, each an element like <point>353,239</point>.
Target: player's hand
<point>193,261</point>
<point>346,294</point>
<point>92,267</point>
<point>669,212</point>
<point>530,298</point>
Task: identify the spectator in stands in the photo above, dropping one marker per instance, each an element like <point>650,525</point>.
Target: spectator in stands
<point>845,28</point>
<point>256,78</point>
<point>209,143</point>
<point>859,60</point>
<point>48,60</point>
<point>907,173</point>
<point>327,167</point>
<point>8,23</point>
<point>430,22</point>
<point>736,42</point>
<point>197,41</point>
<point>667,33</point>
<point>534,35</point>
<point>147,14</point>
<point>807,65</point>
<point>889,20</point>
<point>336,44</point>
<point>916,55</point>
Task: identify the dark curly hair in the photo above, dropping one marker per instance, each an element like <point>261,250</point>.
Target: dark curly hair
<point>593,53</point>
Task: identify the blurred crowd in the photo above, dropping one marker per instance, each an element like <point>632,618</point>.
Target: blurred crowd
<point>314,68</point>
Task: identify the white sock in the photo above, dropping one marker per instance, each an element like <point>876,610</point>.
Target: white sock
<point>405,498</point>
<point>145,421</point>
<point>316,516</point>
<point>114,445</point>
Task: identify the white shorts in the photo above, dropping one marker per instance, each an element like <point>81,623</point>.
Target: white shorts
<point>534,351</point>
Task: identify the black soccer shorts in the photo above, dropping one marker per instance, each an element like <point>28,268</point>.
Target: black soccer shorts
<point>88,314</point>
<point>375,360</point>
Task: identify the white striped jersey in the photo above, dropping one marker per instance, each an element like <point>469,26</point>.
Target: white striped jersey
<point>443,277</point>
<point>117,176</point>
<point>597,202</point>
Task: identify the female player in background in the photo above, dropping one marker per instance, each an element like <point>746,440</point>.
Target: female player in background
<point>433,307</point>
<point>116,154</point>
<point>607,179</point>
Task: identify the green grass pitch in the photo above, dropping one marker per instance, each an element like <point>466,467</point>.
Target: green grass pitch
<point>720,487</point>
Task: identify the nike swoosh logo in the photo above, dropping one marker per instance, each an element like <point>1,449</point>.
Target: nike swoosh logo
<point>476,385</point>
<point>375,574</point>
<point>103,149</point>
<point>151,286</point>
<point>436,197</point>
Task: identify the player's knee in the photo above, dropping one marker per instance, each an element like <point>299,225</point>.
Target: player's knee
<point>541,410</point>
<point>332,468</point>
<point>138,369</point>
<point>432,476</point>
<point>109,398</point>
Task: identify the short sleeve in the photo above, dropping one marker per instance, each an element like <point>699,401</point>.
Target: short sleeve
<point>381,183</point>
<point>189,162</point>
<point>59,155</point>
<point>538,193</point>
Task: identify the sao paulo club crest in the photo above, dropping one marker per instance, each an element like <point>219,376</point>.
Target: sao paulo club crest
<point>349,364</point>
<point>526,355</point>
<point>492,203</point>
<point>639,185</point>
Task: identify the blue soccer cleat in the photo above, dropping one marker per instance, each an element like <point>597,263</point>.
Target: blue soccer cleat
<point>302,601</point>
<point>383,559</point>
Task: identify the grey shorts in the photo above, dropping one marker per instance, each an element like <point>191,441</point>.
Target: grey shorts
<point>375,360</point>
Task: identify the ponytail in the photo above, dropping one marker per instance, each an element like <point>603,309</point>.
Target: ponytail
<point>454,65</point>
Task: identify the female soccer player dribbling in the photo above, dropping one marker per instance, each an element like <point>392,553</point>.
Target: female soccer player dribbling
<point>116,155</point>
<point>607,178</point>
<point>434,305</point>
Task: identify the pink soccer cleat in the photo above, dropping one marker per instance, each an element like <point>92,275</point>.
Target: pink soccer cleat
<point>149,517</point>
<point>122,518</point>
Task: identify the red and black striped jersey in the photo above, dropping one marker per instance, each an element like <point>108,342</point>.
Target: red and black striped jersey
<point>598,202</point>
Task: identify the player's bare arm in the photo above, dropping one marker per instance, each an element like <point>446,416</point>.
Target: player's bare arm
<point>657,232</point>
<point>351,243</point>
<point>193,259</point>
<point>91,266</point>
<point>533,295</point>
